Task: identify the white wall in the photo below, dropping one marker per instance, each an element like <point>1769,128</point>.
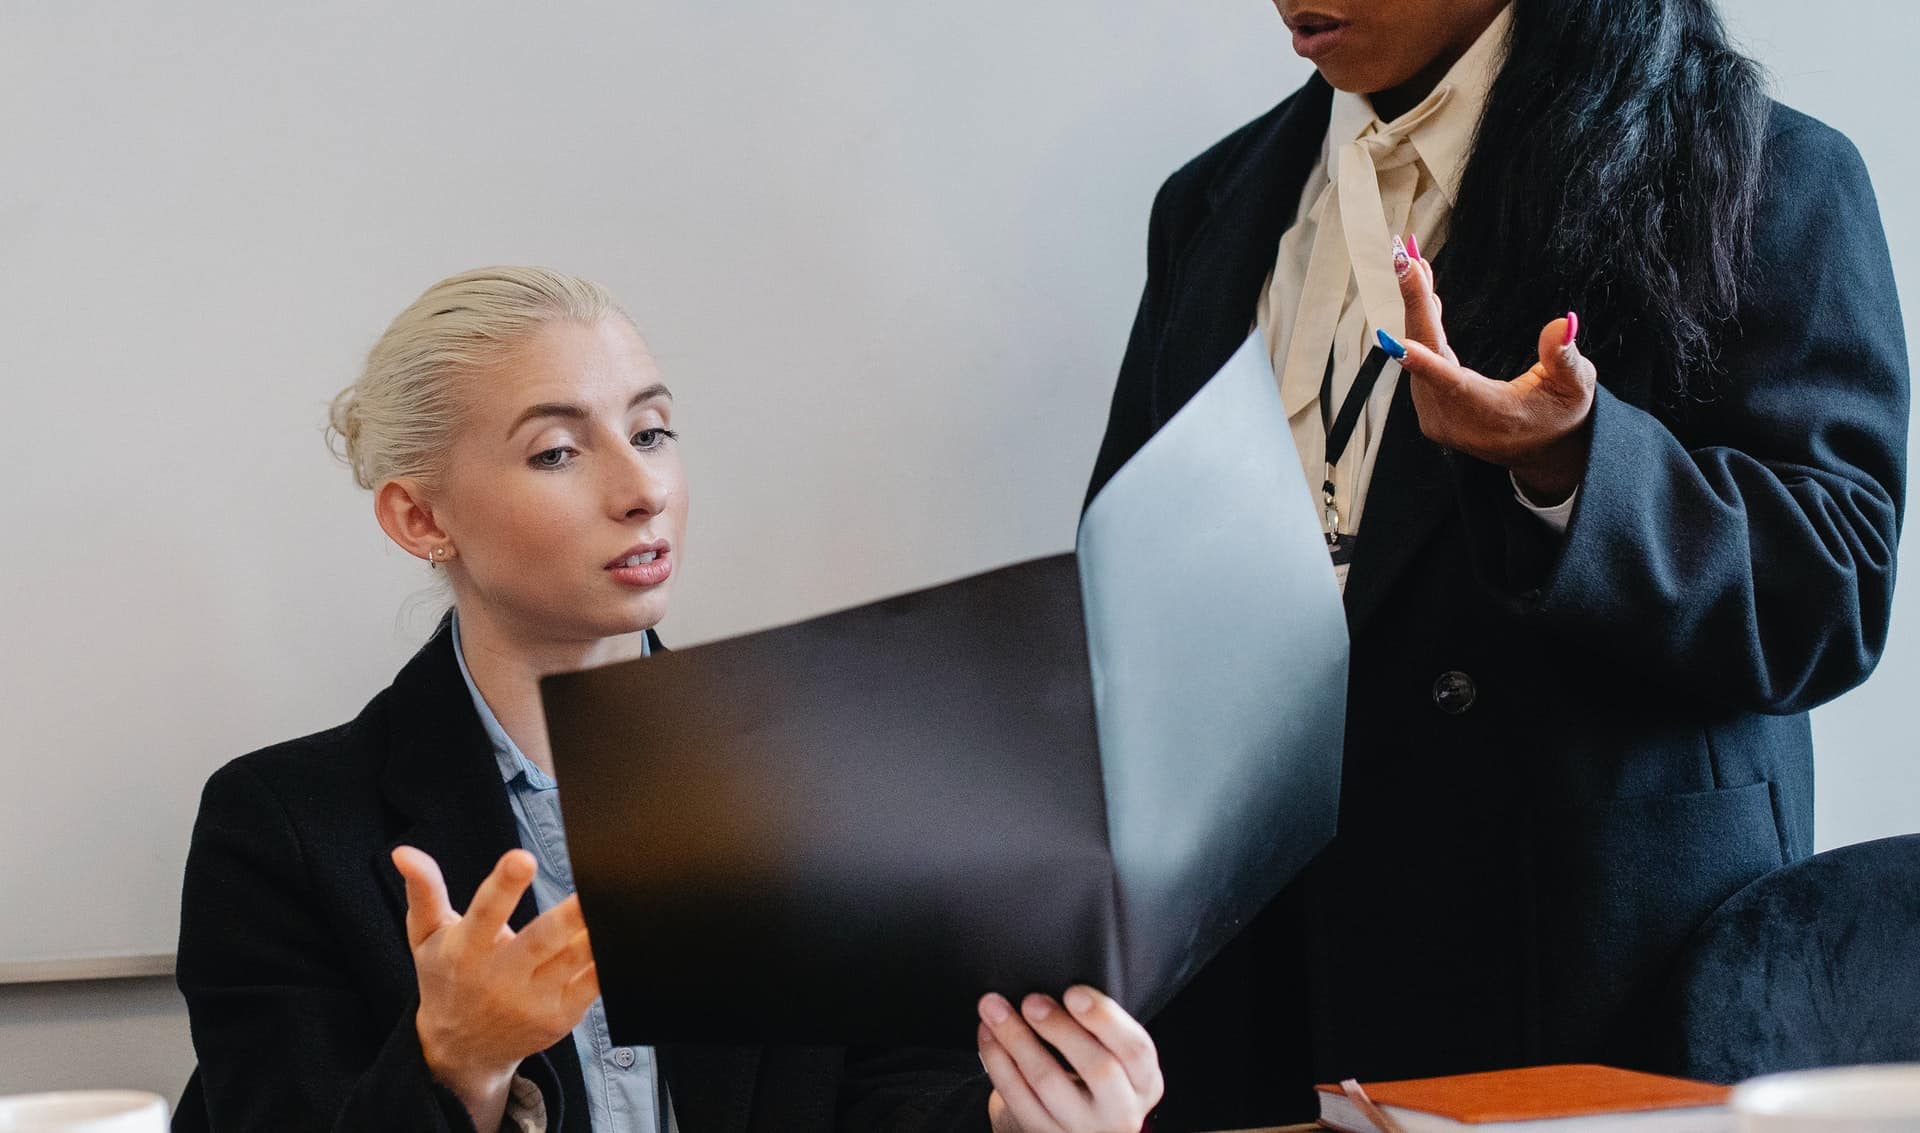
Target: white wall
<point>1842,62</point>
<point>863,236</point>
<point>886,252</point>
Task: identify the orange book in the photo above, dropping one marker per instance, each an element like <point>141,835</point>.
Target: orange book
<point>1564,1099</point>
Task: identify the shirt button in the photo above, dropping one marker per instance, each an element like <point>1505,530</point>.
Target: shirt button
<point>1454,692</point>
<point>623,1057</point>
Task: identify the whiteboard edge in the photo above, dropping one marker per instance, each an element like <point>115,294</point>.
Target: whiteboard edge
<point>87,968</point>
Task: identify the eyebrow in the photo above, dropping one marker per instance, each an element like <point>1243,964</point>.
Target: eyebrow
<point>576,413</point>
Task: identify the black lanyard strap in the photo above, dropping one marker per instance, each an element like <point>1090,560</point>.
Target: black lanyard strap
<point>1339,428</point>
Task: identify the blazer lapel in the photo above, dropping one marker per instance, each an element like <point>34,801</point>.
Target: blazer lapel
<point>444,788</point>
<point>1217,279</point>
<point>1216,288</point>
<point>442,782</point>
<point>441,779</point>
<point>1410,493</point>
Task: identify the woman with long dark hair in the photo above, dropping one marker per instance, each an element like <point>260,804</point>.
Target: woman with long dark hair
<point>1608,523</point>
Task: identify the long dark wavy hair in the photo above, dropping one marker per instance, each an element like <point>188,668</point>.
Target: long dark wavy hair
<point>1616,171</point>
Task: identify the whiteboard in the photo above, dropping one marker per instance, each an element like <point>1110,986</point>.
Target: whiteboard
<point>887,252</point>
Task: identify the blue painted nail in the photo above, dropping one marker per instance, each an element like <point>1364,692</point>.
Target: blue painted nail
<point>1391,345</point>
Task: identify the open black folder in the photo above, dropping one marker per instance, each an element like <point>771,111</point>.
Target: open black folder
<point>1094,767</point>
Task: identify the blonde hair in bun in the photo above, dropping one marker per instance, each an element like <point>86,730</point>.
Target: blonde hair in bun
<point>397,420</point>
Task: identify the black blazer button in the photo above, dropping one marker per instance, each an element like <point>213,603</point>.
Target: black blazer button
<point>1454,692</point>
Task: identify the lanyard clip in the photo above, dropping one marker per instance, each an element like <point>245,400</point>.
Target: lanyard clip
<point>1331,510</point>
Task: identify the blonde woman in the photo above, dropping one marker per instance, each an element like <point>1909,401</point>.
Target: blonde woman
<point>378,929</point>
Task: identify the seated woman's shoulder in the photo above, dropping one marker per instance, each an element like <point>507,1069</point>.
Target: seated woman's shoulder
<point>322,769</point>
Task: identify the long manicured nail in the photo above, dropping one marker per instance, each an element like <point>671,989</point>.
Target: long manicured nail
<point>1391,345</point>
<point>1573,328</point>
<point>1402,264</point>
<point>994,1009</point>
<point>1413,245</point>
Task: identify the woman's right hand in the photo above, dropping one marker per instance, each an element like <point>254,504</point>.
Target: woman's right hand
<point>490,997</point>
<point>1111,1080</point>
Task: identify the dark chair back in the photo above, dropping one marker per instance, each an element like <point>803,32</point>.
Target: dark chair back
<point>1815,964</point>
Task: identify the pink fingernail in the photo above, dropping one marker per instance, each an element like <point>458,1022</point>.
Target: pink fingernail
<point>994,1009</point>
<point>1413,245</point>
<point>1573,328</point>
<point>1401,263</point>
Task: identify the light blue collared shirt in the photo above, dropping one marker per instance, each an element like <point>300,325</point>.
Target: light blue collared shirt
<point>623,1092</point>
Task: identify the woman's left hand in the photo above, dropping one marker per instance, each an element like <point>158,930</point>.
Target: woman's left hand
<point>1535,425</point>
<point>1111,1080</point>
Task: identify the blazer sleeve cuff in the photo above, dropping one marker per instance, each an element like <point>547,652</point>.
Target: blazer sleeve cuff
<point>1553,515</point>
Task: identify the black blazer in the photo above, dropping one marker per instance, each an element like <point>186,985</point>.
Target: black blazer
<point>1560,757</point>
<point>300,986</point>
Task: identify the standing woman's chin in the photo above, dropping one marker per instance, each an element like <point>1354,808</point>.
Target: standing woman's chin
<point>1346,57</point>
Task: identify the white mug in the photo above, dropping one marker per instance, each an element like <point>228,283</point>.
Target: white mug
<point>84,1111</point>
<point>1845,1099</point>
